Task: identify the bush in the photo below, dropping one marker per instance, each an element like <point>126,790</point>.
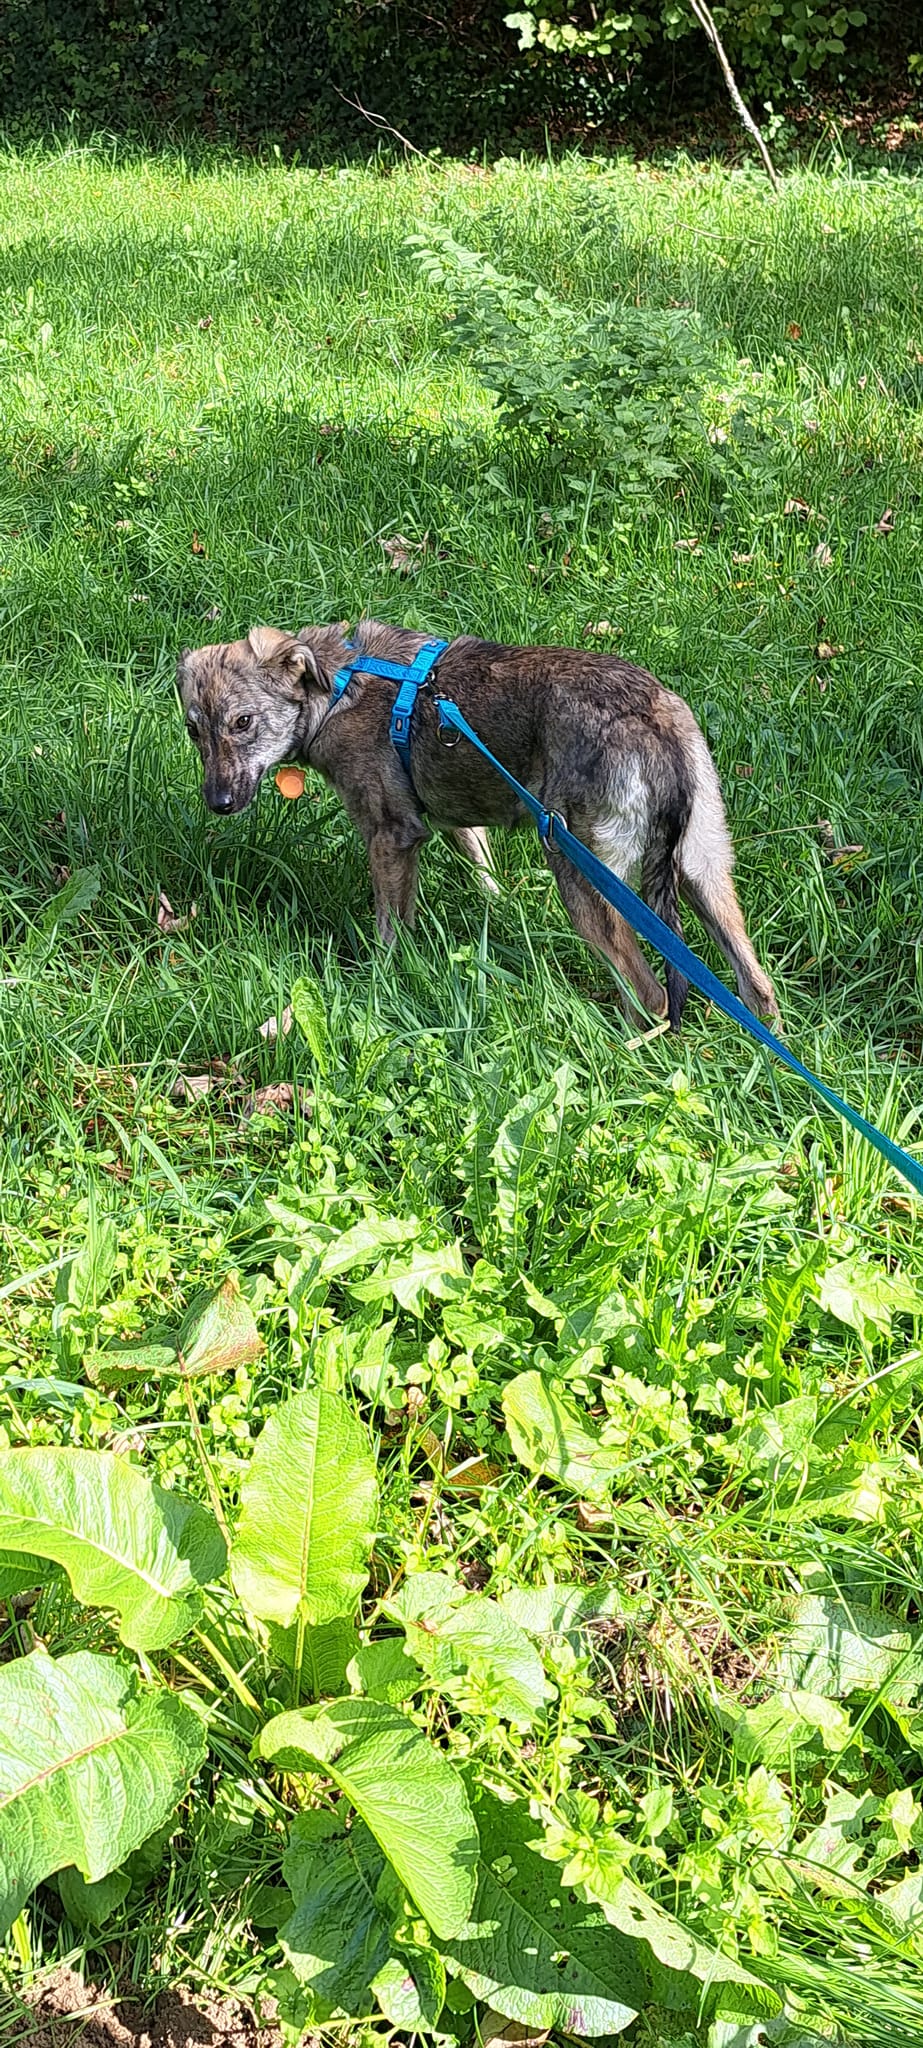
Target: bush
<point>772,43</point>
<point>619,390</point>
<point>258,67</point>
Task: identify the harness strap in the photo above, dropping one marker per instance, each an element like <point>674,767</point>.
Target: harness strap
<point>411,677</point>
<point>649,926</point>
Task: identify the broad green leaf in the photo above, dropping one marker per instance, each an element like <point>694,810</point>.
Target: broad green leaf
<point>779,1437</point>
<point>91,1905</point>
<point>531,1949</point>
<point>471,1648</point>
<point>856,1487</point>
<point>79,891</point>
<point>904,1901</point>
<point>829,1857</point>
<point>341,1938</point>
<point>560,1610</point>
<point>220,1334</point>
<point>865,1297</point>
<point>783,1292</point>
<point>548,1437</point>
<point>87,1276</point>
<point>20,1573</point>
<point>326,1654</point>
<point>786,1722</point>
<point>383,1671</point>
<point>347,1904</point>
<point>90,1764</point>
<point>411,1987</point>
<point>366,1240</point>
<point>407,1792</point>
<point>309,1010</point>
<point>680,1971</point>
<point>836,1647</point>
<point>528,1134</point>
<point>428,1274</point>
<point>124,1541</point>
<point>308,1505</point>
<point>123,1365</point>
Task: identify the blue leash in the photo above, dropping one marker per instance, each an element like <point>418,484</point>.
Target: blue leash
<point>638,914</point>
<point>643,920</point>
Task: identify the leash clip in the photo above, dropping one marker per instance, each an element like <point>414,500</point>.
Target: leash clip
<point>448,733</point>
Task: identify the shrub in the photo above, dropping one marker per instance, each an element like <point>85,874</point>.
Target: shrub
<point>617,387</point>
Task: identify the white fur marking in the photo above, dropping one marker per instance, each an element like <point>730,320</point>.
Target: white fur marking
<point>620,838</point>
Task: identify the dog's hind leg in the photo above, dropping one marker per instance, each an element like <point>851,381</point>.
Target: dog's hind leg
<point>659,889</point>
<point>705,881</point>
<point>608,934</point>
<point>472,841</point>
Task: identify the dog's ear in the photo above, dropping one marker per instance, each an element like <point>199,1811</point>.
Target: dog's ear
<point>271,648</point>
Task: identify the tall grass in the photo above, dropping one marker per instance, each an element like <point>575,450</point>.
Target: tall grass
<point>222,387</point>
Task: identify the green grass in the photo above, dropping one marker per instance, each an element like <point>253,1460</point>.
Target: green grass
<point>222,387</point>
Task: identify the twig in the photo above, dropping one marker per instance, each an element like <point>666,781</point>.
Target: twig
<point>704,18</point>
<point>378,121</point>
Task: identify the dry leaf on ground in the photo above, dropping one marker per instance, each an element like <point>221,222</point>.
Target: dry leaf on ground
<point>600,631</point>
<point>198,546</point>
<point>693,545</point>
<point>278,1096</point>
<point>839,856</point>
<point>277,1027</point>
<point>591,1516</point>
<point>167,920</point>
<point>406,556</point>
<point>827,650</point>
<point>799,508</point>
<point>497,2032</point>
<point>191,1087</point>
<point>886,523</point>
<point>823,555</point>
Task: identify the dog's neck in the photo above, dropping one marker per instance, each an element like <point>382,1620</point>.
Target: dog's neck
<point>330,650</point>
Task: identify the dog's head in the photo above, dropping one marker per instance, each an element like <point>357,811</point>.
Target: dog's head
<point>247,707</point>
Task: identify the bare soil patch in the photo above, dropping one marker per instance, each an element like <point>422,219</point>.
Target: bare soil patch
<point>63,2011</point>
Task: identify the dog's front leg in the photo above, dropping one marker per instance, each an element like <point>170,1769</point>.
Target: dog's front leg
<point>395,867</point>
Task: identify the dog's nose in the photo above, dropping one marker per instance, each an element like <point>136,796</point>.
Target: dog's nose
<point>220,800</point>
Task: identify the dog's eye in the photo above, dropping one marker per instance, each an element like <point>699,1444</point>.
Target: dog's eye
<point>192,728</point>
<point>244,722</point>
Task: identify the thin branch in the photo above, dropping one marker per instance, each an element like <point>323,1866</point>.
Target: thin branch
<point>378,121</point>
<point>704,18</point>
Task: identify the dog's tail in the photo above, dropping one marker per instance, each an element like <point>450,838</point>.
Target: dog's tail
<point>660,885</point>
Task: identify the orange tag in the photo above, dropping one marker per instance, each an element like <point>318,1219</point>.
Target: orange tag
<point>290,782</point>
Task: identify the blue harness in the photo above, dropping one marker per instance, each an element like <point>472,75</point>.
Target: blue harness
<point>638,914</point>
<point>411,679</point>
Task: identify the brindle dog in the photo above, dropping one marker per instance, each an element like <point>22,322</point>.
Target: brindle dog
<point>594,738</point>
